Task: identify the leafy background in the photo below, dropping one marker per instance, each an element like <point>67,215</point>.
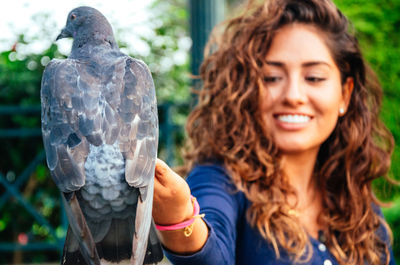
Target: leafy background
<point>377,24</point>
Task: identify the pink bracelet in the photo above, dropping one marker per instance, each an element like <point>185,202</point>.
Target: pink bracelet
<point>186,225</point>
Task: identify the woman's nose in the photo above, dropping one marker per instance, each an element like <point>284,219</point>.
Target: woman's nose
<point>294,94</point>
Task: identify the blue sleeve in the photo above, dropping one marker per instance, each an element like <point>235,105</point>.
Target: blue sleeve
<point>392,260</point>
<point>221,206</point>
<point>387,240</point>
<point>384,234</point>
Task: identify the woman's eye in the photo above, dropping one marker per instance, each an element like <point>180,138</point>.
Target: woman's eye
<point>314,79</point>
<point>272,79</point>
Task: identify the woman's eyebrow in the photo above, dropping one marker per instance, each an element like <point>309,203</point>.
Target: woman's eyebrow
<point>306,64</point>
<point>275,63</point>
<point>314,63</point>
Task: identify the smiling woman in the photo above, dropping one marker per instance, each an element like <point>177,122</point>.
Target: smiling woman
<point>283,146</point>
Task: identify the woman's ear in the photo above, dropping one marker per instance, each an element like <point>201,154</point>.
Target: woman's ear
<point>347,90</point>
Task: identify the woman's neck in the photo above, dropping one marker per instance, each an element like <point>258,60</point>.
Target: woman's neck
<point>299,169</point>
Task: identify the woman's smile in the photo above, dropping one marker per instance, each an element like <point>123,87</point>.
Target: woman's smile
<point>292,121</point>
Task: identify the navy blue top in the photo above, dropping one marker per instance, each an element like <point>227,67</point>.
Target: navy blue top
<point>231,239</point>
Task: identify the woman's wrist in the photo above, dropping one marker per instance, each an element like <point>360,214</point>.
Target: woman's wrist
<point>180,214</point>
<point>176,241</point>
<point>187,236</point>
<point>187,225</point>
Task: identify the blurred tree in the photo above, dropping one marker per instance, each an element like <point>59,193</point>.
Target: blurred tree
<point>20,76</point>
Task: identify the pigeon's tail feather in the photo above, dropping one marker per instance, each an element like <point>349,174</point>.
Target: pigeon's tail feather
<point>154,252</point>
<point>73,258</point>
<point>78,233</point>
<point>116,246</point>
<point>71,253</point>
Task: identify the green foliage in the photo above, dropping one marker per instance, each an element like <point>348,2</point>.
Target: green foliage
<point>377,24</point>
<point>20,77</point>
<point>168,58</point>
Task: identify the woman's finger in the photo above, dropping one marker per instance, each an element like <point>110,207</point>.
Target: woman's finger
<point>159,189</point>
<point>161,172</point>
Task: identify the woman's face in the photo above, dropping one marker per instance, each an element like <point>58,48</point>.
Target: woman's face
<point>303,93</point>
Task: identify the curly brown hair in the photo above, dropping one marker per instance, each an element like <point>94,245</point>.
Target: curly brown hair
<point>227,125</point>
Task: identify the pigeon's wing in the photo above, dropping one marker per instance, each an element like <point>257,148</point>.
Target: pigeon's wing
<point>65,145</point>
<point>138,142</point>
<point>66,148</point>
<point>139,133</point>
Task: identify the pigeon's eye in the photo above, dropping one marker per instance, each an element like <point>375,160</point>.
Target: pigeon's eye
<point>73,16</point>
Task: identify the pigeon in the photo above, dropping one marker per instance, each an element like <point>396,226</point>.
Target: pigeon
<point>100,134</point>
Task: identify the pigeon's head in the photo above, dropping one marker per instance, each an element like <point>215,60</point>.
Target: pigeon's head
<point>86,24</point>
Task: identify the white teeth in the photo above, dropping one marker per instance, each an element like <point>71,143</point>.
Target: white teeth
<point>294,118</point>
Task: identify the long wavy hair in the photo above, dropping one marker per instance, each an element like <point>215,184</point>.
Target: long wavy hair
<point>227,125</point>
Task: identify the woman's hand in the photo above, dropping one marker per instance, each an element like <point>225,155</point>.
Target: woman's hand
<point>171,203</point>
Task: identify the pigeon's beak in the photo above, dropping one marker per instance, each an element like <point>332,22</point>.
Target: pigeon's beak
<point>65,33</point>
